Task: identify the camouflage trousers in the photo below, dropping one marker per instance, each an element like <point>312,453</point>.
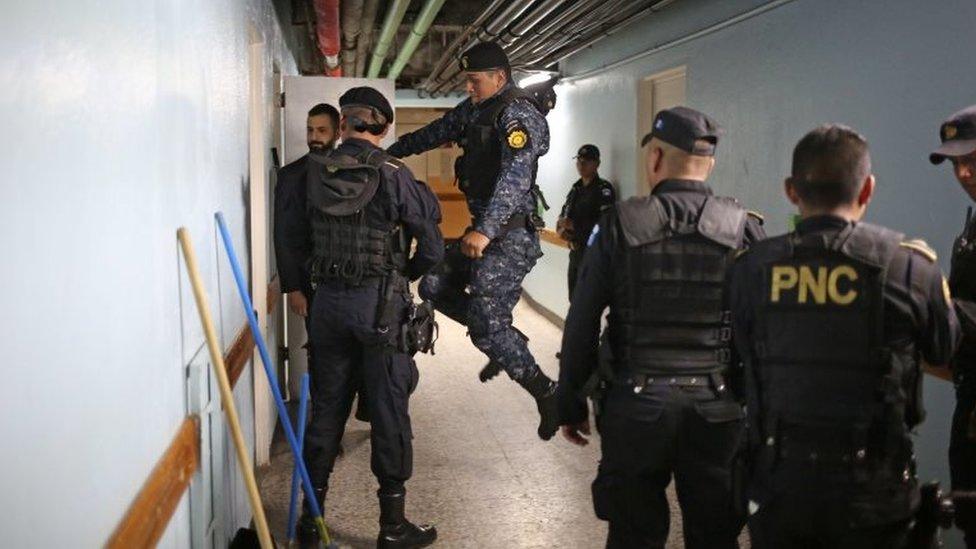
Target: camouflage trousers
<point>482,293</point>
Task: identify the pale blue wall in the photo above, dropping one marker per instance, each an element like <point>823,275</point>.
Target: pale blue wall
<point>121,122</point>
<point>893,69</point>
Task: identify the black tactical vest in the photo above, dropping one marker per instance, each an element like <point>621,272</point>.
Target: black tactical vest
<point>352,238</point>
<point>831,391</point>
<point>675,319</point>
<point>481,163</point>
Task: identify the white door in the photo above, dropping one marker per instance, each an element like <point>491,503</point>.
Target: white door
<point>656,92</point>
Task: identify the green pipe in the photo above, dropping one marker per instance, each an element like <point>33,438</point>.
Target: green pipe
<point>394,14</point>
<point>420,28</point>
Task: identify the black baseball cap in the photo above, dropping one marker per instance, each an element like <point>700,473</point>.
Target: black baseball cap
<point>588,151</point>
<point>958,135</point>
<point>683,127</point>
<point>364,96</point>
<point>484,56</point>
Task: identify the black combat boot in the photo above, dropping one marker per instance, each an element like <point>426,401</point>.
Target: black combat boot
<point>308,533</point>
<point>395,530</point>
<point>544,391</point>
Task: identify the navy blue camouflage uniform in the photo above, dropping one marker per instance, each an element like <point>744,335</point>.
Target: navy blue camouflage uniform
<point>495,282</point>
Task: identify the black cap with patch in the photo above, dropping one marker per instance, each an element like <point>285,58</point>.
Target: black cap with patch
<point>685,128</point>
<point>364,96</point>
<point>588,151</point>
<point>958,135</point>
<point>484,56</point>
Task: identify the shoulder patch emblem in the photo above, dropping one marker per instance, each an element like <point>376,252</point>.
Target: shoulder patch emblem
<point>517,138</point>
<point>921,247</point>
<point>756,215</point>
<point>607,192</point>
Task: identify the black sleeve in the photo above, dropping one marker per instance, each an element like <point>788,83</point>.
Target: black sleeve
<point>608,196</point>
<point>569,201</point>
<point>292,236</point>
<point>938,327</point>
<point>420,214</point>
<point>754,230</point>
<point>579,354</point>
<point>742,297</point>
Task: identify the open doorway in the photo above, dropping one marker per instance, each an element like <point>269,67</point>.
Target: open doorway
<point>656,92</point>
<point>436,167</point>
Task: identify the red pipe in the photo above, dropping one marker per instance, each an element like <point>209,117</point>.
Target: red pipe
<point>329,34</point>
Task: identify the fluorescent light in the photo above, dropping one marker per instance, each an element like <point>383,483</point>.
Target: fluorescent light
<point>535,78</point>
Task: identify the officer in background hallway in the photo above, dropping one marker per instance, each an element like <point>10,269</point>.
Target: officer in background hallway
<point>958,135</point>
<point>365,209</point>
<point>587,200</point>
<point>832,321</point>
<point>292,234</point>
<point>660,262</point>
<point>503,133</point>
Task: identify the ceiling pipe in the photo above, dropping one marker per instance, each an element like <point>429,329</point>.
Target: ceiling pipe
<point>394,15</point>
<point>589,40</point>
<point>367,27</point>
<point>526,24</point>
<point>451,51</point>
<point>577,29</point>
<point>327,31</point>
<point>417,33</point>
<point>566,16</point>
<point>487,34</point>
<point>352,17</point>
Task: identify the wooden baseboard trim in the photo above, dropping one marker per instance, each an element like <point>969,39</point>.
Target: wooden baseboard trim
<point>546,313</point>
<point>147,517</point>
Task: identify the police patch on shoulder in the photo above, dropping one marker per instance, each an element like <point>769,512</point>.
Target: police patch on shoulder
<point>517,138</point>
<point>607,192</point>
<point>921,247</point>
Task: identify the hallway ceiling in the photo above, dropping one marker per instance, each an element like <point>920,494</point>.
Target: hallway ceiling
<point>536,34</point>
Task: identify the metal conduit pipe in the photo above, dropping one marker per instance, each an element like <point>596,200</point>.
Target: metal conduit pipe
<point>567,32</point>
<point>580,42</point>
<point>526,24</point>
<point>365,40</point>
<point>602,16</point>
<point>455,45</point>
<point>394,15</point>
<point>567,16</point>
<point>683,40</point>
<point>487,34</point>
<point>352,16</point>
<point>417,32</point>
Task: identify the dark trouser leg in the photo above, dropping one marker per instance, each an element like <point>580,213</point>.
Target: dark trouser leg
<point>575,259</point>
<point>388,378</point>
<point>445,287</point>
<point>496,286</point>
<point>962,462</point>
<point>703,480</point>
<point>336,358</point>
<point>635,469</point>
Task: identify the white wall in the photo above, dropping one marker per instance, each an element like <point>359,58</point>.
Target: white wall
<point>122,121</point>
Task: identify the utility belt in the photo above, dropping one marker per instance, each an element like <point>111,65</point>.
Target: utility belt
<point>643,383</point>
<point>517,221</point>
<point>418,331</point>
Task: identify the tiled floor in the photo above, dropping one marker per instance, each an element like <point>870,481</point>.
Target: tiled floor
<point>480,472</point>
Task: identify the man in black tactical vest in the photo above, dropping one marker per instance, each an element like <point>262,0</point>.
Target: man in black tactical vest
<point>660,263</point>
<point>833,321</point>
<point>958,135</point>
<point>365,208</point>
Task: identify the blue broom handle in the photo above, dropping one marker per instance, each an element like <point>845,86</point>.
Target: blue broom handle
<point>302,415</point>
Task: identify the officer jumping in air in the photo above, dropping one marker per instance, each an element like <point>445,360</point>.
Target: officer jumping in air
<point>588,198</point>
<point>958,135</point>
<point>833,321</point>
<point>365,209</point>
<point>503,133</point>
<point>660,263</point>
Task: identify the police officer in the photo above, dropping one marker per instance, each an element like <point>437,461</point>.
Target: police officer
<point>292,234</point>
<point>503,134</point>
<point>589,197</point>
<point>660,263</point>
<point>365,208</point>
<point>832,321</point>
<point>958,135</point>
